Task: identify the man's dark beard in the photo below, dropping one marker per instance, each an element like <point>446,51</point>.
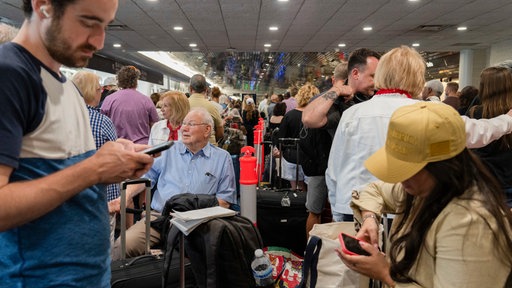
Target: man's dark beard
<point>61,51</point>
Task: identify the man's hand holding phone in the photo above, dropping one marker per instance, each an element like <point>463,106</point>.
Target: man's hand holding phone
<point>117,161</point>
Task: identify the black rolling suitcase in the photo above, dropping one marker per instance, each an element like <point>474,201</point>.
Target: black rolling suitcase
<point>144,271</point>
<point>282,215</point>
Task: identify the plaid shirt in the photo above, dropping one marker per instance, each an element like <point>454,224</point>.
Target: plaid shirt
<point>103,131</point>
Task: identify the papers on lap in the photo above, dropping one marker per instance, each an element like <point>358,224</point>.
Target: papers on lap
<point>189,220</point>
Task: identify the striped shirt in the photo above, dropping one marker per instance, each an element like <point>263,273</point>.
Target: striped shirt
<point>103,130</point>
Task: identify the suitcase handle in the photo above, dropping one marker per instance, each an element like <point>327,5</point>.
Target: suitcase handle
<point>139,259</point>
<point>124,185</point>
<point>146,181</point>
<point>296,145</point>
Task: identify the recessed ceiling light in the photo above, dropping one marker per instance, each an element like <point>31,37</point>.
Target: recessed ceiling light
<point>415,44</point>
<point>177,28</point>
<point>462,28</point>
<point>192,45</point>
<point>414,0</point>
<point>267,45</point>
<point>367,28</point>
<point>117,45</point>
<point>342,45</point>
<point>273,28</point>
<point>282,0</point>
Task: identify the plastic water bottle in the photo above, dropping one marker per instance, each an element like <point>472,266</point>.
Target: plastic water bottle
<point>262,269</point>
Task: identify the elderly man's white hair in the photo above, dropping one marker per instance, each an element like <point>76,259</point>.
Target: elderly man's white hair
<point>205,116</point>
<point>436,86</point>
<point>7,32</point>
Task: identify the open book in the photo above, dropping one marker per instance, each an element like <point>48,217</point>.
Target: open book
<point>189,220</point>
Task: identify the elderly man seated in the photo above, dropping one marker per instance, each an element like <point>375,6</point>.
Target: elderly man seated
<point>192,165</point>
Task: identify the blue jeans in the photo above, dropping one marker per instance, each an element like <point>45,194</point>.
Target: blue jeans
<point>339,217</point>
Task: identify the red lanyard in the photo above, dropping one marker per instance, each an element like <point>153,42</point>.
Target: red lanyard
<point>390,91</point>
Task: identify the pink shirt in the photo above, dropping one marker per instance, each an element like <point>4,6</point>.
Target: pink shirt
<point>132,113</point>
<point>291,104</point>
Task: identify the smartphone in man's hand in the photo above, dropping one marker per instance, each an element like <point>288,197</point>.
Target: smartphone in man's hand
<point>158,148</point>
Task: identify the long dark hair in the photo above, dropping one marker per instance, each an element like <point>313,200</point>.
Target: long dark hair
<point>496,96</point>
<point>465,171</point>
<point>279,109</point>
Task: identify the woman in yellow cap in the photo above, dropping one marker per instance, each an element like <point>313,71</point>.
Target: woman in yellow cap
<point>452,226</point>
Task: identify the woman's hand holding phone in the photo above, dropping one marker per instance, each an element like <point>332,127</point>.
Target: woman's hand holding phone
<point>350,245</point>
<point>371,262</point>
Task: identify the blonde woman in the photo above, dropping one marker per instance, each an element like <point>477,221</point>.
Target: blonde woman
<point>175,107</point>
<point>89,86</point>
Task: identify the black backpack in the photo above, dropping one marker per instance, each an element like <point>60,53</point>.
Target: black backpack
<point>181,203</point>
<point>314,149</point>
<point>220,251</point>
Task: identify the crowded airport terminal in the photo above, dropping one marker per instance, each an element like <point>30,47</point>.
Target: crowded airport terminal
<point>255,143</point>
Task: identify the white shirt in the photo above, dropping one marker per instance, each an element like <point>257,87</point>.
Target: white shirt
<point>433,98</point>
<point>160,133</point>
<point>362,131</point>
<point>263,106</point>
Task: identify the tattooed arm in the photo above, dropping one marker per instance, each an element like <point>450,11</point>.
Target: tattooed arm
<point>315,113</point>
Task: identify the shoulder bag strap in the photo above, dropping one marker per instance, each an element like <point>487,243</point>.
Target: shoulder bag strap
<point>311,262</point>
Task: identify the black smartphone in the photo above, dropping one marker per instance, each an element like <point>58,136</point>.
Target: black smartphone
<point>158,148</point>
<point>350,245</point>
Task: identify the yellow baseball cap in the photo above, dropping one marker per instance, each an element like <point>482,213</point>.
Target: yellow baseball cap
<point>417,134</point>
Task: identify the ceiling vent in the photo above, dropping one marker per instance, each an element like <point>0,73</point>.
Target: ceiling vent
<point>464,44</point>
<point>118,27</point>
<point>431,28</point>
